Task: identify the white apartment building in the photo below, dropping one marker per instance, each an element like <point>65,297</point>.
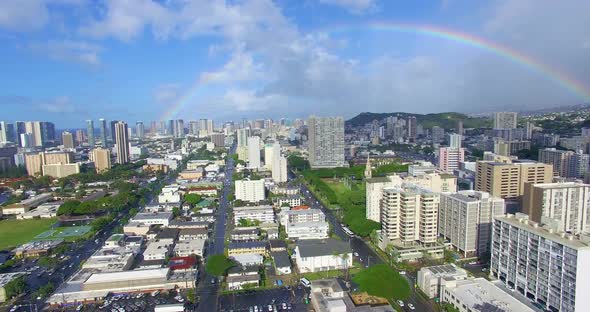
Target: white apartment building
<point>322,255</point>
<point>250,190</point>
<point>566,205</point>
<point>409,215</point>
<point>549,266</point>
<point>326,142</point>
<point>292,201</point>
<point>254,152</point>
<point>170,194</point>
<point>297,216</point>
<point>156,250</point>
<point>307,230</point>
<point>264,214</point>
<point>465,219</point>
<point>279,169</point>
<point>432,181</point>
<point>190,247</point>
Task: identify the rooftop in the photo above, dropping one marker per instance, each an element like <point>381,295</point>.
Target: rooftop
<point>127,276</point>
<point>322,247</point>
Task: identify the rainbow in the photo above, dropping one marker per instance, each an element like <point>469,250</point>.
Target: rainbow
<point>549,72</point>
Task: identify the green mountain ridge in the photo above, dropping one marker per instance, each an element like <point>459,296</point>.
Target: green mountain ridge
<point>446,120</point>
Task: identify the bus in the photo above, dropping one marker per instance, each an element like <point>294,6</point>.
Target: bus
<point>347,231</point>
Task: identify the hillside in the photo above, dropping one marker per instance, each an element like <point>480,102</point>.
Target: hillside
<point>445,120</point>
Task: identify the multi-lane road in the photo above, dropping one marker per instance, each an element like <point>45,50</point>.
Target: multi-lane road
<point>207,289</point>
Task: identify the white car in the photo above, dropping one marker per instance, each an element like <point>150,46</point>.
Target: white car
<point>411,306</point>
<point>402,272</point>
<point>400,303</point>
<point>356,254</point>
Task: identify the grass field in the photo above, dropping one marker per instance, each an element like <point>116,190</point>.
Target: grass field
<point>382,281</point>
<point>16,232</point>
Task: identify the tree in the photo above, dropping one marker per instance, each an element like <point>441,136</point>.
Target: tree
<point>176,211</point>
<point>217,265</point>
<point>15,287</point>
<point>192,199</point>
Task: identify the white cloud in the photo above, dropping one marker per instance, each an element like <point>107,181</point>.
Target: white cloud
<point>240,67</point>
<point>167,93</point>
<point>23,15</point>
<point>353,6</point>
<point>58,105</point>
<point>81,52</point>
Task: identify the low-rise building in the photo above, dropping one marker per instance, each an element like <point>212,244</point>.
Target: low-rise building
<point>304,215</point>
<point>187,248</point>
<point>430,278</point>
<point>36,248</point>
<point>26,204</point>
<point>322,255</point>
<point>307,230</point>
<point>238,248</point>
<point>474,294</point>
<point>245,234</point>
<point>248,259</point>
<point>110,260</point>
<point>264,214</point>
<point>43,211</point>
<point>156,250</point>
<point>282,262</point>
<point>290,201</point>
<point>162,218</point>
<point>240,276</point>
<point>191,234</point>
<point>4,280</point>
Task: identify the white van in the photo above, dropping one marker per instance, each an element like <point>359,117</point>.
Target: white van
<point>305,282</point>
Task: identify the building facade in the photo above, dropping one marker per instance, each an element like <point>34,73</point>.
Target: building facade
<point>326,142</point>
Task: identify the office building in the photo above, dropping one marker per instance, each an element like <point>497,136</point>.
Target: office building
<point>326,142</point>
<point>206,125</point>
<point>7,157</point>
<point>67,139</point>
<point>250,190</point>
<point>505,120</point>
<point>101,158</point>
<point>409,215</point>
<point>438,134</point>
<point>541,263</point>
<point>80,138</point>
<point>254,152</point>
<point>6,132</point>
<point>90,132</point>
<point>103,132</point>
<point>139,130</point>
<point>122,141</point>
<point>565,205</point>
<point>465,219</point>
<point>26,140</point>
<point>449,158</point>
<point>455,140</point>
<point>506,180</point>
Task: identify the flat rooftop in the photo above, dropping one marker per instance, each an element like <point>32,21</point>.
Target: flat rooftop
<point>127,276</point>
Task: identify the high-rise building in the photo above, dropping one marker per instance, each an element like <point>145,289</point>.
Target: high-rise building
<point>47,132</point>
<point>26,140</point>
<point>103,132</point>
<point>80,137</point>
<point>170,127</point>
<point>449,158</point>
<point>326,142</point>
<point>465,219</point>
<point>409,215</point>
<point>279,169</point>
<point>34,162</point>
<point>19,128</point>
<point>140,129</point>
<point>506,180</point>
<point>34,128</point>
<point>193,127</point>
<point>541,263</point>
<point>90,132</point>
<point>412,127</point>
<point>67,139</point>
<point>101,158</point>
<point>505,120</point>
<point>250,190</point>
<point>6,132</point>
<point>243,135</point>
<point>122,141</point>
<point>179,128</point>
<point>438,134</point>
<point>455,140</point>
<point>567,164</point>
<point>112,126</point>
<point>269,149</point>
<point>254,152</point>
<point>206,125</point>
<point>7,157</point>
<point>565,205</point>
<point>218,139</point>
<point>459,128</point>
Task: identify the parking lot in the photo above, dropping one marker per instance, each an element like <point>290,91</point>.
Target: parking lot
<point>243,301</point>
<point>131,302</point>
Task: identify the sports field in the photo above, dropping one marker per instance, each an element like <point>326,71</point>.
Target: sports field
<point>16,232</point>
<point>66,232</point>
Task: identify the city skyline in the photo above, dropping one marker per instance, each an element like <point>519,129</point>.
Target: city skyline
<point>149,60</point>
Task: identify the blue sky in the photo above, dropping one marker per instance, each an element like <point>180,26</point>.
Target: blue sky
<point>70,60</point>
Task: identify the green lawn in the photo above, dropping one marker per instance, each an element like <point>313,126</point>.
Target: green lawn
<point>382,281</point>
<point>312,276</point>
<point>16,232</point>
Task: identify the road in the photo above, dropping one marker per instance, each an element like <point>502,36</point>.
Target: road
<point>207,292</point>
<point>366,254</point>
